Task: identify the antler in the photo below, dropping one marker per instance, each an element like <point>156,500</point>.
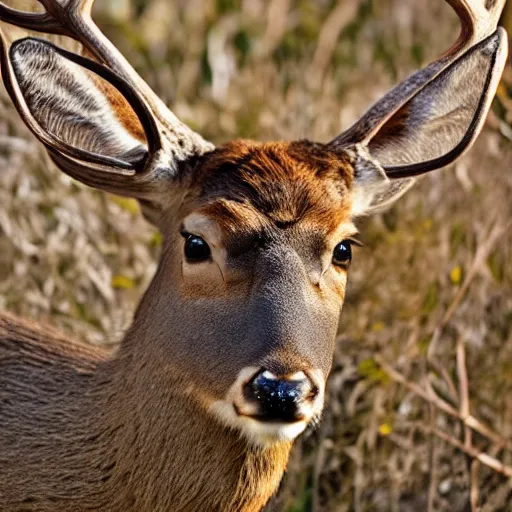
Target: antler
<point>72,18</point>
<point>479,19</point>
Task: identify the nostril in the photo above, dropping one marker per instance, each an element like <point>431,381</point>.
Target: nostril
<point>280,398</point>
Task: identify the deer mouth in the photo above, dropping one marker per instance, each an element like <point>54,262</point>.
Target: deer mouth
<point>280,419</point>
<point>259,432</point>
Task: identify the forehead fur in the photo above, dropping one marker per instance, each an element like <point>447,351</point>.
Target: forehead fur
<point>278,183</point>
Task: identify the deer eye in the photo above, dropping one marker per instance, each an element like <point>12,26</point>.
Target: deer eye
<point>342,254</point>
<point>196,249</point>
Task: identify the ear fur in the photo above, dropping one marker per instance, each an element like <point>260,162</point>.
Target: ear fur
<point>71,103</point>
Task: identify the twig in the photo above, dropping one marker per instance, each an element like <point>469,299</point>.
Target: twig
<point>324,445</point>
<point>463,388</point>
<point>276,28</point>
<point>341,16</point>
<point>464,410</point>
<point>432,487</point>
<point>432,398</point>
<point>452,393</point>
<point>477,456</point>
<point>481,255</point>
<point>474,494</point>
<point>482,457</point>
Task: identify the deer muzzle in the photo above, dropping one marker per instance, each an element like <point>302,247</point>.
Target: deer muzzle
<point>268,407</point>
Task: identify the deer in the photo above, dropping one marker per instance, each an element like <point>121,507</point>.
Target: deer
<point>226,360</point>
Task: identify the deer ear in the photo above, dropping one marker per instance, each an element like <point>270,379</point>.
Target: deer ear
<point>430,130</point>
<point>73,105</point>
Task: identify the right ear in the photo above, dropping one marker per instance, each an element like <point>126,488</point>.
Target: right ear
<point>427,121</point>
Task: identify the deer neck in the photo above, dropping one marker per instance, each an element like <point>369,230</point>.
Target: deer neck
<point>119,434</point>
<point>173,453</point>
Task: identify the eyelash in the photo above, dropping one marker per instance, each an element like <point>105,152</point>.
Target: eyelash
<point>355,241</point>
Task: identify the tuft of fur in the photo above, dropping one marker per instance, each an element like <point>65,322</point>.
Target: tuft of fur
<point>274,184</point>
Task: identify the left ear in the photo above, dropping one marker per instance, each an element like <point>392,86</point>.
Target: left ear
<point>429,130</point>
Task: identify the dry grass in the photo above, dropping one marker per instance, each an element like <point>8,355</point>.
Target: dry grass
<point>425,345</point>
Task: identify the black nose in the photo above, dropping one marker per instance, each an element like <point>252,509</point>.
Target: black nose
<point>280,398</point>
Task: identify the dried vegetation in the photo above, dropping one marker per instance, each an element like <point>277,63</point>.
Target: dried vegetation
<point>420,397</point>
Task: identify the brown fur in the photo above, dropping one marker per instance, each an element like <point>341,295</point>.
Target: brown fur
<point>123,111</point>
<point>89,433</point>
<point>130,432</point>
<point>120,106</point>
<point>275,184</point>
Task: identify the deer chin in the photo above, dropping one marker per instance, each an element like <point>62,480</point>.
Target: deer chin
<point>258,433</point>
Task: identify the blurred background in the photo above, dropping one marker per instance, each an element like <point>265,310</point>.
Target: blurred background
<point>425,336</point>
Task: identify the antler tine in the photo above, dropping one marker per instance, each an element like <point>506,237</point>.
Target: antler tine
<point>39,21</point>
<point>72,18</point>
<point>479,19</point>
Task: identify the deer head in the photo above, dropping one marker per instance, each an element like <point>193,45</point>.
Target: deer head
<point>257,237</point>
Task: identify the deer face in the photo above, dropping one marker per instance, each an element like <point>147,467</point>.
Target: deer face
<point>245,303</point>
<point>255,270</point>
